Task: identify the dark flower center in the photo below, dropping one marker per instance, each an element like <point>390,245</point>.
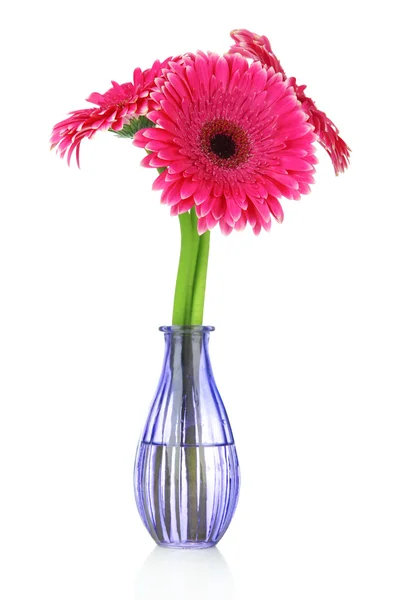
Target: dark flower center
<point>223,145</point>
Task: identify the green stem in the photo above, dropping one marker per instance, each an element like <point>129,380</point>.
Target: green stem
<point>192,266</point>
<point>192,272</point>
<point>182,279</point>
<point>200,279</point>
<point>190,285</point>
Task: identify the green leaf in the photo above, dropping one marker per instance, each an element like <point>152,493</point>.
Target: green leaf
<point>129,130</point>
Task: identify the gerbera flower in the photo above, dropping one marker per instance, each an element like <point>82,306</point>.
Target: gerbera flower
<point>258,47</point>
<point>232,138</point>
<point>115,109</point>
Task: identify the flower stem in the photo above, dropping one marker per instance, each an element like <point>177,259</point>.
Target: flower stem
<point>200,278</point>
<point>192,272</point>
<point>192,265</point>
<point>182,279</point>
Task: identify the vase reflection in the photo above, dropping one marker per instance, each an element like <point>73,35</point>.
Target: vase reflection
<point>194,574</point>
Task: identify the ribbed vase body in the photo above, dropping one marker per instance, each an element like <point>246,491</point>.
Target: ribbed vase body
<point>186,472</point>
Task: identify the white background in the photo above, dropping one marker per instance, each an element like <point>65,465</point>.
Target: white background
<point>306,350</point>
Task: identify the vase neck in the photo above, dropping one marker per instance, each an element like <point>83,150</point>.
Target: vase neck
<point>187,409</point>
<point>186,351</point>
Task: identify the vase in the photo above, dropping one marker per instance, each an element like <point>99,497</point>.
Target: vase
<point>186,475</point>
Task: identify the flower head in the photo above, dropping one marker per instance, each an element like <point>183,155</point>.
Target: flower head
<point>114,109</point>
<point>259,48</point>
<point>232,138</point>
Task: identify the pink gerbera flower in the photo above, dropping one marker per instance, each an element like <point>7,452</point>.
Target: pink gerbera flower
<point>232,138</point>
<point>114,109</point>
<point>258,47</point>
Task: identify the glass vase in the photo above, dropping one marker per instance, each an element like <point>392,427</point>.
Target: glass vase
<point>186,470</point>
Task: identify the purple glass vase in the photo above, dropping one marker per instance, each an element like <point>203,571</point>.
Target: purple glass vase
<point>186,472</point>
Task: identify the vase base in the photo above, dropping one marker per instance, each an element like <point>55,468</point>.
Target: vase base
<point>186,545</point>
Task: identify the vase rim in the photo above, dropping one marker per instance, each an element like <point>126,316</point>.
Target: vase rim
<point>186,328</point>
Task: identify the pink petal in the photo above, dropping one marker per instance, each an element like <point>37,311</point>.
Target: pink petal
<point>275,208</point>
<point>159,182</point>
<point>188,188</point>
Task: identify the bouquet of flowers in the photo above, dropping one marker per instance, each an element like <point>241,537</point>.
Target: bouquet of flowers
<point>229,137</point>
